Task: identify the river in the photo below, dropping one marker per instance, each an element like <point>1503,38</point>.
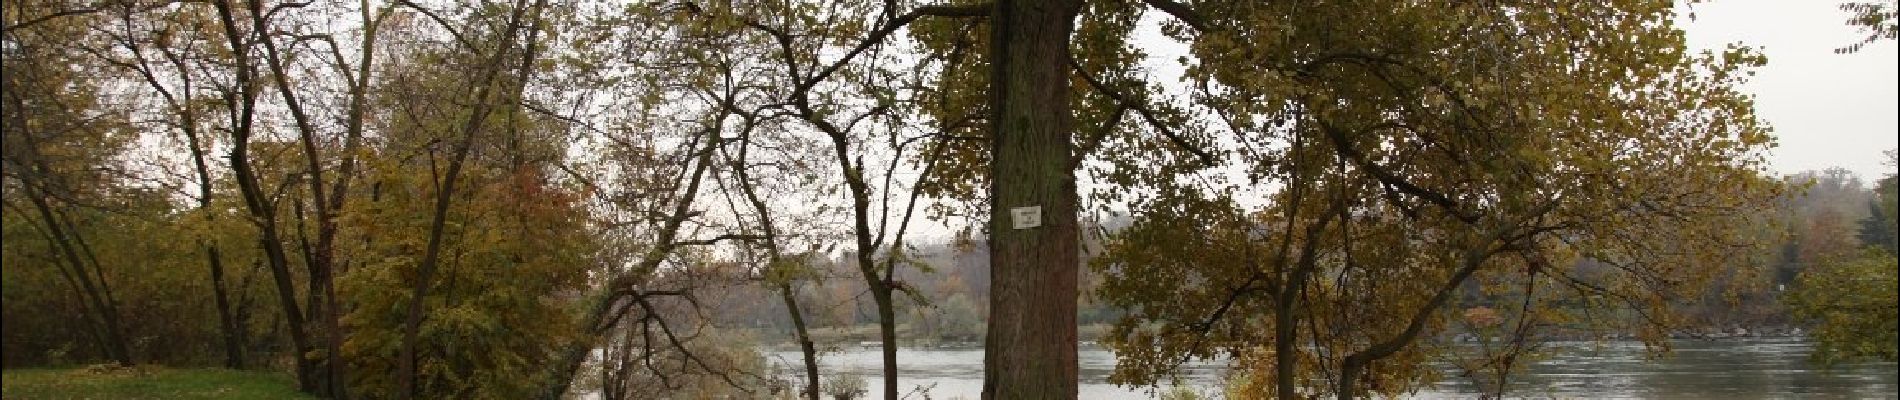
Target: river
<point>1765,368</point>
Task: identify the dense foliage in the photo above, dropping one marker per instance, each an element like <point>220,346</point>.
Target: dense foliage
<point>513,199</point>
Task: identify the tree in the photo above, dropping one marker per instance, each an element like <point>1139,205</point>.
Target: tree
<point>782,270</point>
<point>1820,219</point>
<point>1329,189</point>
<point>1411,150</point>
<point>1849,295</point>
<point>1033,287</point>
<point>493,324</point>
<point>241,103</point>
<point>1879,228</point>
<point>326,201</point>
<point>845,106</point>
<point>1850,301</point>
<point>484,92</point>
<point>515,221</point>
<point>178,41</point>
<point>61,133</point>
<point>1030,60</point>
<point>656,167</point>
<point>149,72</point>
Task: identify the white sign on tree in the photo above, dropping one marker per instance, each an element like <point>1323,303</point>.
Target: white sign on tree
<point>1025,217</point>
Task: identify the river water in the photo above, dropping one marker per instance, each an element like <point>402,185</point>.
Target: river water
<point>1766,368</point>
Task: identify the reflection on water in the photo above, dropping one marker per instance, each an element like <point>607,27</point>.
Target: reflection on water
<point>1753,368</point>
<point>1728,369</point>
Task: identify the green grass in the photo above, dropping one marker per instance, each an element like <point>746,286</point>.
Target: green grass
<point>145,382</point>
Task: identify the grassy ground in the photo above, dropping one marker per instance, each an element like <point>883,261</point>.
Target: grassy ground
<point>145,382</point>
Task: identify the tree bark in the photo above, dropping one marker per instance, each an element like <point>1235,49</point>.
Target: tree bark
<point>227,323</point>
<point>1030,352</point>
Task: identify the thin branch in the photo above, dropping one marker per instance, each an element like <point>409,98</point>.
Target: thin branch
<point>1344,147</point>
<point>1146,113</point>
<point>717,239</point>
<point>444,23</point>
<point>677,344</point>
<point>876,37</point>
<point>1094,140</point>
<point>49,17</point>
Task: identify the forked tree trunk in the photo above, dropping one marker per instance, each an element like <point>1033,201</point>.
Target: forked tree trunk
<point>256,202</point>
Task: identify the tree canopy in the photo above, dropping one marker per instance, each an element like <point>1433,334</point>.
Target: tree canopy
<point>541,198</point>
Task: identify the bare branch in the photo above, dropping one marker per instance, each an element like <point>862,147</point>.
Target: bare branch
<point>674,339</point>
<point>717,239</point>
<point>876,37</point>
<point>444,23</point>
<point>1146,113</point>
<point>1095,139</point>
<point>49,17</point>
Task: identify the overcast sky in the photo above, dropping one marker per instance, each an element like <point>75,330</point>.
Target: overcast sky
<point>1827,109</point>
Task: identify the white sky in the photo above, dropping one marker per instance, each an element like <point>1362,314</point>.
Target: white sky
<point>1828,110</point>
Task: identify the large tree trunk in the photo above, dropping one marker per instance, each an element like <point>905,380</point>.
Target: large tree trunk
<point>1030,352</point>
